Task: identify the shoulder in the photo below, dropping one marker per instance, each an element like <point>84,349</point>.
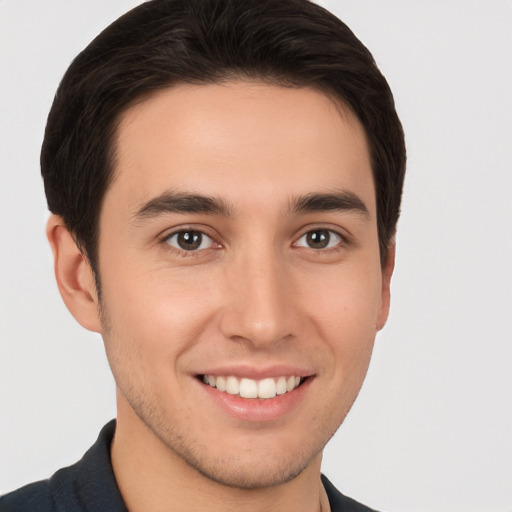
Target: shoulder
<point>35,497</point>
<point>88,485</point>
<point>341,503</point>
<point>55,494</point>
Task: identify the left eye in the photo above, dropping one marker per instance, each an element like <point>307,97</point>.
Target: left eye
<point>189,240</point>
<point>319,239</point>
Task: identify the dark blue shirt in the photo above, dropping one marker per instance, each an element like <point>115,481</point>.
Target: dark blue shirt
<point>90,486</point>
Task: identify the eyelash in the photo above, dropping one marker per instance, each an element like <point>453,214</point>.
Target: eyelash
<point>340,240</point>
<point>165,240</point>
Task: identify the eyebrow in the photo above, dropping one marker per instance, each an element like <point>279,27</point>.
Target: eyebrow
<point>343,201</point>
<point>176,202</point>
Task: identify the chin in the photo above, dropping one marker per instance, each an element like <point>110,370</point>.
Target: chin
<point>241,473</point>
<point>264,464</point>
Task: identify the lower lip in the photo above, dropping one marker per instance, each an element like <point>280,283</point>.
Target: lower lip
<point>258,409</point>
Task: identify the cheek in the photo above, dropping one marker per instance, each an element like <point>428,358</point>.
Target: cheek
<point>345,314</point>
<point>150,319</point>
<point>344,300</point>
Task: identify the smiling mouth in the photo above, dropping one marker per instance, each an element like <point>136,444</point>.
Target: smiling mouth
<point>250,388</point>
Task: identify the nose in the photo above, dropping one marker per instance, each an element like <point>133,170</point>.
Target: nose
<point>261,300</point>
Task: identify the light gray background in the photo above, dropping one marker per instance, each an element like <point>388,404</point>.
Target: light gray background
<point>432,429</point>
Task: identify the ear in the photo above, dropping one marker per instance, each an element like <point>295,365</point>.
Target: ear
<point>74,275</point>
<point>387,272</point>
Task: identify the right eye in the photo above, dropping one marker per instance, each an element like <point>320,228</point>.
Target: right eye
<point>189,240</point>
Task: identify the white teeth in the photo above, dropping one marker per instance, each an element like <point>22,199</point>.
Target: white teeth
<point>250,388</point>
<point>221,383</point>
<point>267,388</point>
<point>232,386</point>
<point>281,386</point>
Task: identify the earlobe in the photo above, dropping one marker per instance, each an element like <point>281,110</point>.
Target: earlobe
<point>387,272</point>
<point>74,275</point>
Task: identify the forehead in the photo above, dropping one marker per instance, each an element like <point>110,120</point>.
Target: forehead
<point>240,140</point>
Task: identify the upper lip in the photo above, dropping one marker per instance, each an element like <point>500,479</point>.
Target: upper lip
<point>257,373</point>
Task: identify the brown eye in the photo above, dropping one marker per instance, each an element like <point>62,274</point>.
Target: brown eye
<point>319,239</point>
<point>189,240</point>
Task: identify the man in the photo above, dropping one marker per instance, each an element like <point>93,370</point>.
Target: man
<point>224,179</point>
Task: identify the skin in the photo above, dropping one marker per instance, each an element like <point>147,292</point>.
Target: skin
<point>254,297</point>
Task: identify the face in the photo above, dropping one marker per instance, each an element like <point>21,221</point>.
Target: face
<point>241,281</point>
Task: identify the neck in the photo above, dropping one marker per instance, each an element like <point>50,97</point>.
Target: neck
<point>152,477</point>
